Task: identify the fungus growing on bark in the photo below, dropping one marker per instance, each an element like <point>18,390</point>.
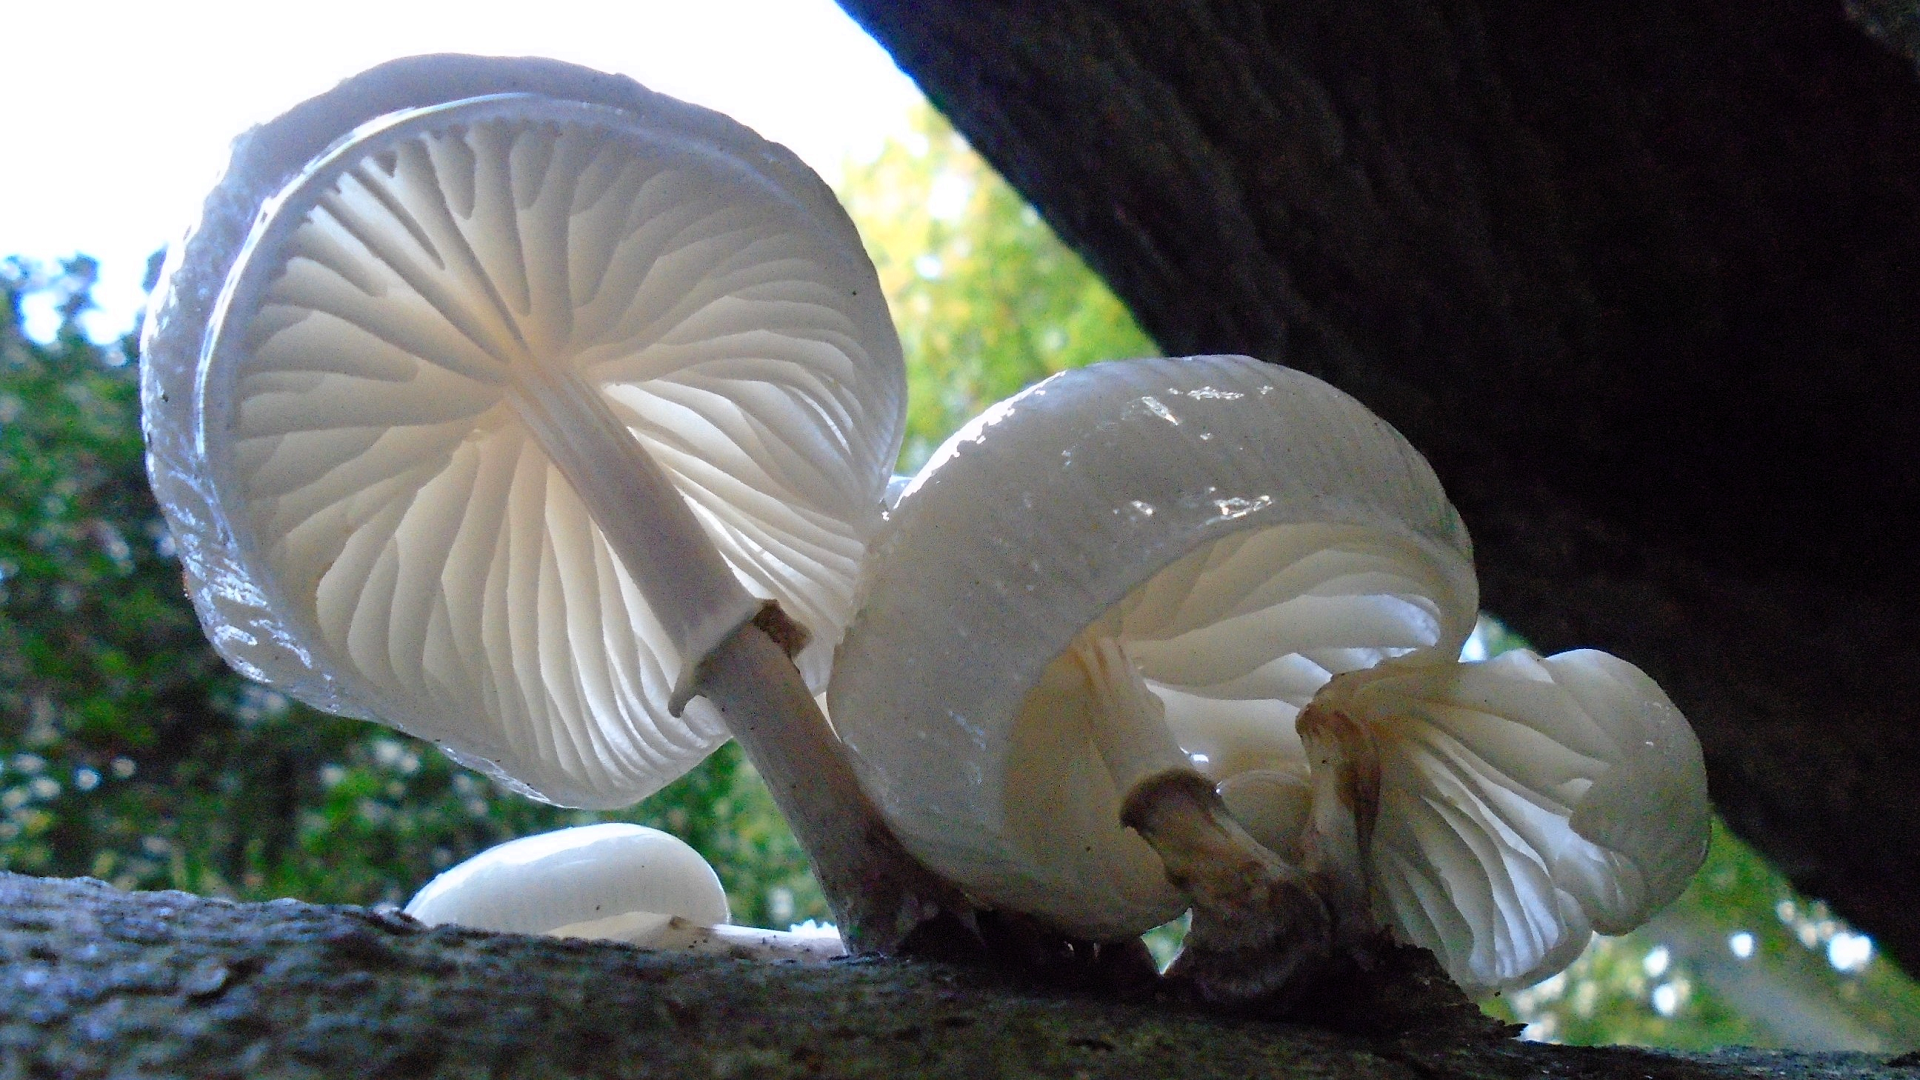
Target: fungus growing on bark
<point>543,417</point>
<point>546,418</point>
<point>1102,618</point>
<point>609,882</point>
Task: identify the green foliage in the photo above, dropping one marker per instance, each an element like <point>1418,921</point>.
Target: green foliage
<point>987,299</point>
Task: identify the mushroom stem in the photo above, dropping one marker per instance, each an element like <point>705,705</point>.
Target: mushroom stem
<point>1260,928</point>
<point>669,933</point>
<point>1129,723</point>
<point>879,893</point>
<point>737,653</point>
<point>1345,763</point>
<point>645,519</point>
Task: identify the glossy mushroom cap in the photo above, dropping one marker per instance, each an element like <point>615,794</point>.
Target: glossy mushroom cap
<point>585,875</point>
<point>1243,531</point>
<point>363,374</point>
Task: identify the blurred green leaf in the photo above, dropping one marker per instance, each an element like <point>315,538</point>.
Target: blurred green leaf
<point>987,299</point>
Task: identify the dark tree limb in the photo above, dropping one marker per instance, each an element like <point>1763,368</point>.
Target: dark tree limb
<point>1641,279</point>
<point>97,982</point>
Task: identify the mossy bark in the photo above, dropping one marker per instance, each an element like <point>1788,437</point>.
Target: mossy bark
<point>101,983</point>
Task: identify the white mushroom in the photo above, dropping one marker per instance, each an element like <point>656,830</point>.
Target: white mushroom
<point>1138,575</point>
<point>609,882</point>
<point>1510,807</point>
<point>535,414</point>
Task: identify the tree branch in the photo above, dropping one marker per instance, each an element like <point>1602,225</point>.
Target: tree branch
<point>99,982</point>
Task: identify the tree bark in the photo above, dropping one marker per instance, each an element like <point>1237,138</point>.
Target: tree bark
<point>101,983</point>
<point>1640,279</point>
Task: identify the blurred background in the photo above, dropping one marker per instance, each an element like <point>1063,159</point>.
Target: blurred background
<point>130,753</point>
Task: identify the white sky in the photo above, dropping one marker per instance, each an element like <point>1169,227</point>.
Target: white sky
<point>119,113</point>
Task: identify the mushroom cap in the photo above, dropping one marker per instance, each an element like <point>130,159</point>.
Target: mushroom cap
<point>1525,802</point>
<point>365,521</point>
<point>1243,530</point>
<point>586,874</point>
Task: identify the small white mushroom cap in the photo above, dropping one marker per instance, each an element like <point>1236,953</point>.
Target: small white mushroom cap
<point>591,874</point>
<point>1525,803</point>
<point>363,353</point>
<point>1243,531</point>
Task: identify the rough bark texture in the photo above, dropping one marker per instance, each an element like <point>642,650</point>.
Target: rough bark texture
<point>99,983</point>
<point>1639,278</point>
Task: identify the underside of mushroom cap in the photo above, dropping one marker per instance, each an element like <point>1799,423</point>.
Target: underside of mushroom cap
<point>1241,529</point>
<point>365,518</point>
<point>1525,803</point>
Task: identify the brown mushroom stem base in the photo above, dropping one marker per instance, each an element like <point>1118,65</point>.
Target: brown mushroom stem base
<point>1345,762</point>
<point>1261,932</point>
<point>880,894</point>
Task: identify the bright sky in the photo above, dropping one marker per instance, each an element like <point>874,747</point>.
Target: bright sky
<point>120,113</point>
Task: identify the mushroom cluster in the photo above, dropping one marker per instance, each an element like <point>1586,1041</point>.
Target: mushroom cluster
<point>542,417</point>
<point>550,419</point>
<point>1164,635</point>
